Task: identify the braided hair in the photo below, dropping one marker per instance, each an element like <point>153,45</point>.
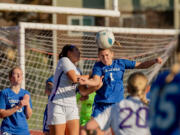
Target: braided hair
<point>137,84</point>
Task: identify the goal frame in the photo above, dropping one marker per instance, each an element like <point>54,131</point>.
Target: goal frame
<point>41,26</point>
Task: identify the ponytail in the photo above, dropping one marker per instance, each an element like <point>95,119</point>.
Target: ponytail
<point>137,85</point>
<point>65,49</point>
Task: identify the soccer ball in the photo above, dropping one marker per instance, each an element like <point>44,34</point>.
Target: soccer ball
<point>105,39</point>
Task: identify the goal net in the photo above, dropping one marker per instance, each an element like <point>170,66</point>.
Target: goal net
<point>36,47</point>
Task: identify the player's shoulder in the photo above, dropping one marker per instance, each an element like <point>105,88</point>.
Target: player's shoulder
<point>161,77</point>
<point>64,59</point>
<point>122,61</point>
<point>98,64</point>
<point>4,91</point>
<point>24,91</point>
<point>177,78</point>
<point>131,101</point>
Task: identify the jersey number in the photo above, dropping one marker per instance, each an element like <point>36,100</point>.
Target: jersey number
<point>111,76</point>
<point>165,106</point>
<point>130,113</point>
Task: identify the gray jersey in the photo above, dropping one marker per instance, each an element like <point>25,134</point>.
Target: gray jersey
<point>129,117</point>
<point>64,91</point>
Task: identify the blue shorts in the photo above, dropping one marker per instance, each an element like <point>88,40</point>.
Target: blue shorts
<point>99,107</point>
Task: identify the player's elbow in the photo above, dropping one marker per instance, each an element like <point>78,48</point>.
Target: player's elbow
<point>2,114</point>
<point>29,114</point>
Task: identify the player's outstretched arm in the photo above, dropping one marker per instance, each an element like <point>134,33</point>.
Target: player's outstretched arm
<point>148,64</point>
<point>92,82</point>
<point>86,90</point>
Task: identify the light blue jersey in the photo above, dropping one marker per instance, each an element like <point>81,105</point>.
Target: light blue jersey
<point>165,106</point>
<point>15,124</point>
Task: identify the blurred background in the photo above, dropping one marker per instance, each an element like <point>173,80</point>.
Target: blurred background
<point>134,13</point>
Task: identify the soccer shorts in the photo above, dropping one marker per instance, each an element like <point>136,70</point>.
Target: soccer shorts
<point>59,114</point>
<point>99,107</point>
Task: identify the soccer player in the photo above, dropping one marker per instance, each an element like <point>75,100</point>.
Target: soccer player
<point>112,90</point>
<point>48,89</point>
<point>63,115</point>
<point>129,116</point>
<point>15,106</point>
<point>164,118</point>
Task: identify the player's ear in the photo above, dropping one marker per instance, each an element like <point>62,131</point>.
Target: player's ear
<point>147,89</point>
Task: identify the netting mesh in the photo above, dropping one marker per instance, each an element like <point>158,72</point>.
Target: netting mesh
<point>39,57</point>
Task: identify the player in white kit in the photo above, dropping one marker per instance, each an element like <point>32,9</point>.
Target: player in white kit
<point>129,116</point>
<point>63,115</point>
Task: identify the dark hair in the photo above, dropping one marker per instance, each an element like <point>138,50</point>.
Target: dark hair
<point>65,49</point>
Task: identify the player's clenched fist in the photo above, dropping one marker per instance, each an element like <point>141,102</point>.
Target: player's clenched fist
<point>24,101</point>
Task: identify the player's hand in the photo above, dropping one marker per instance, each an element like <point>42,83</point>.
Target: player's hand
<point>82,80</point>
<point>25,100</point>
<point>159,60</point>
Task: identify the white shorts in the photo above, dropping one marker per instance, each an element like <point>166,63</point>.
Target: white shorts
<point>59,114</point>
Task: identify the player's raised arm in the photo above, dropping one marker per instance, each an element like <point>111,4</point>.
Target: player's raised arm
<point>148,64</point>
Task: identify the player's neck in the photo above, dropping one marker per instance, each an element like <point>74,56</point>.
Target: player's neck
<point>16,88</point>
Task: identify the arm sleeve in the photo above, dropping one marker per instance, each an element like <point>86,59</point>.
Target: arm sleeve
<point>2,101</point>
<point>97,70</point>
<point>129,64</point>
<point>104,119</point>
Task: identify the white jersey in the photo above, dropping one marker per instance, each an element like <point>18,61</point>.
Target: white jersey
<point>64,91</point>
<point>128,117</point>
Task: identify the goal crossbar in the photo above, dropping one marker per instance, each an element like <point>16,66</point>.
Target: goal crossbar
<point>58,10</point>
<point>98,28</point>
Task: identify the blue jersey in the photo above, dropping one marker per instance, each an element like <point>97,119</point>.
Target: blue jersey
<point>15,124</point>
<point>45,125</point>
<point>50,79</point>
<point>164,118</point>
<point>112,90</point>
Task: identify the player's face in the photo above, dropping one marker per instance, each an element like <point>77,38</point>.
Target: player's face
<point>17,77</point>
<point>106,56</point>
<point>74,55</point>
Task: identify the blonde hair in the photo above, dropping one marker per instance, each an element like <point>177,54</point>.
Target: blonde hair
<point>137,85</point>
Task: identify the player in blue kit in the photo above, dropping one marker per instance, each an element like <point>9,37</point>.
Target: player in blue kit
<point>48,89</point>
<point>164,118</point>
<point>112,90</point>
<point>15,106</point>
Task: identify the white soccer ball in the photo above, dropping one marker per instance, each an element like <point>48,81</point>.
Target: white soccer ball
<point>105,39</point>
